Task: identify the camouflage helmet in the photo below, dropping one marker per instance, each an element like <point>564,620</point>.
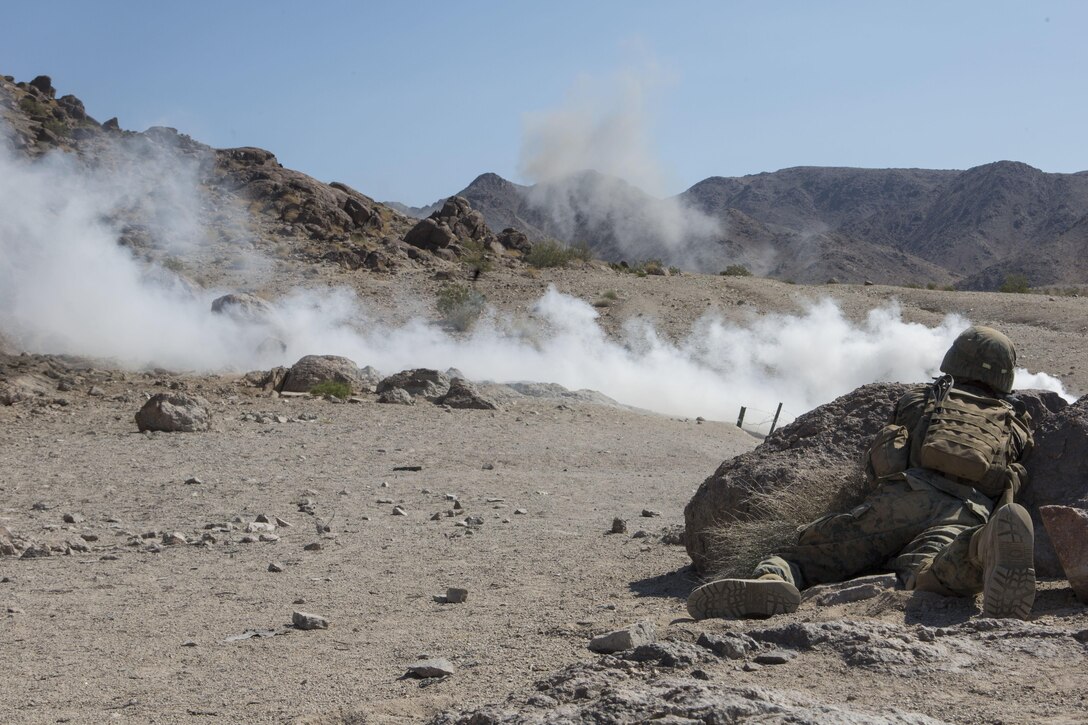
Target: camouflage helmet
<point>983,354</point>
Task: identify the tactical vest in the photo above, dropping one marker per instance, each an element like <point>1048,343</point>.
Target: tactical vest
<point>965,437</point>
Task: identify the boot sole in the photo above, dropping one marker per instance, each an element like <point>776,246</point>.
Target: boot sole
<point>1009,588</point>
<point>743,598</point>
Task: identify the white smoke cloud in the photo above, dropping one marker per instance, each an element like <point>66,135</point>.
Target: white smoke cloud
<point>603,128</point>
<point>66,286</point>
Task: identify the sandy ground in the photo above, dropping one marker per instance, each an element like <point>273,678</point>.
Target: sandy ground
<point>134,629</point>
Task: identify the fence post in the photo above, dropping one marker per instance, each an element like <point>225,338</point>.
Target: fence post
<point>775,421</point>
<point>740,419</point>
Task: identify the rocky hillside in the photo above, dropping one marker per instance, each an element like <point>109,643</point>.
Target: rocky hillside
<point>248,200</point>
<point>969,228</point>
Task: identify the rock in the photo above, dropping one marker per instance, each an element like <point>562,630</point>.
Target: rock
<point>304,620</point>
<point>72,518</point>
<point>243,307</point>
<point>515,239</point>
<point>520,512</point>
<point>315,546</point>
<point>852,590</point>
<point>619,526</point>
<point>174,413</point>
<point>818,452</point>
<point>45,85</point>
<point>36,551</point>
<point>396,396</point>
<point>193,481</point>
<point>454,595</point>
<point>7,542</point>
<point>456,223</point>
<point>775,657</point>
<point>174,538</point>
<point>275,567</point>
<point>1058,469</point>
<point>420,382</point>
<point>629,637</point>
<point>281,523</point>
<point>731,646</point>
<point>436,516</point>
<point>313,369</point>
<point>1067,528</point>
<point>398,511</point>
<point>426,669</point>
<point>463,394</point>
<point>647,513</point>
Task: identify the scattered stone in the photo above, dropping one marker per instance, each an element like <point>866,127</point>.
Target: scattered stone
<point>436,516</point>
<point>398,511</point>
<point>282,523</point>
<point>7,542</point>
<point>193,481</point>
<point>640,534</point>
<point>700,674</point>
<point>619,526</point>
<point>427,669</point>
<point>775,657</point>
<point>275,567</point>
<point>385,500</point>
<point>627,638</point>
<point>520,512</point>
<point>315,546</point>
<point>174,538</point>
<point>413,469</point>
<point>304,620</point>
<point>1068,530</point>
<point>455,595</point>
<point>36,551</point>
<point>268,538</point>
<point>87,536</point>
<point>188,643</point>
<point>457,506</point>
<point>174,413</point>
<point>474,521</point>
<point>488,467</point>
<point>649,514</point>
<point>73,518</point>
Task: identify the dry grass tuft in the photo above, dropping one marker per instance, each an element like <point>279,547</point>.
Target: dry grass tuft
<point>737,546</point>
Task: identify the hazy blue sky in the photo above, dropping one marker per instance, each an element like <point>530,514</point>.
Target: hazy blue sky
<point>409,101</point>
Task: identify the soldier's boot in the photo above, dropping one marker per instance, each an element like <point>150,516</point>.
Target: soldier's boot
<point>763,597</point>
<point>1006,549</point>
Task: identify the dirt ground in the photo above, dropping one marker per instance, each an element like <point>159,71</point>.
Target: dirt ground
<point>127,627</point>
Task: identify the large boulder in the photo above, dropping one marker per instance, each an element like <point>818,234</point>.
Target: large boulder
<point>313,369</point>
<point>455,223</point>
<point>463,394</point>
<point>242,306</point>
<point>1059,475</point>
<point>421,382</point>
<point>174,413</point>
<point>820,452</point>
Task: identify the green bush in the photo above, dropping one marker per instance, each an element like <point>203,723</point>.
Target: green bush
<point>331,387</point>
<point>476,257</point>
<point>1015,283</point>
<point>552,253</point>
<point>460,305</point>
<point>735,270</point>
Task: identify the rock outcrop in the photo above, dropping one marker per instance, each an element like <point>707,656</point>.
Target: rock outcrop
<point>1067,530</point>
<point>451,227</point>
<point>463,394</point>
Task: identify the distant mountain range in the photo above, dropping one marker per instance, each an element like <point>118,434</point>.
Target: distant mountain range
<point>969,228</point>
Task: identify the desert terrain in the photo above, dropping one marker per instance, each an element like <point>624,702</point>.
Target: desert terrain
<point>121,624</point>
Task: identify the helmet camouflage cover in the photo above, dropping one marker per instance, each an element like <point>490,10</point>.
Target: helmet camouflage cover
<point>983,354</point>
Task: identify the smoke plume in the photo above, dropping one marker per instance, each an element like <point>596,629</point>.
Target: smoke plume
<point>597,181</point>
<point>67,286</point>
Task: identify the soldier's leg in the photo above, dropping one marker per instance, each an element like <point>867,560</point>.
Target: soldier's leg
<point>829,549</point>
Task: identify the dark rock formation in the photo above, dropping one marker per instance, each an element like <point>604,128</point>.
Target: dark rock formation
<point>455,223</point>
<point>421,382</point>
<point>463,394</point>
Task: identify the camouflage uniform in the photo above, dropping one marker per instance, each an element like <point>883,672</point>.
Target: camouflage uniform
<point>918,523</point>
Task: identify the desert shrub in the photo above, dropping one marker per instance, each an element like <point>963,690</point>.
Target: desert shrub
<point>610,294</point>
<point>674,270</point>
<point>737,546</point>
<point>460,305</point>
<point>56,127</point>
<point>32,106</point>
<point>475,256</point>
<point>174,265</point>
<point>331,387</point>
<point>735,270</point>
<point>581,252</point>
<point>1015,283</point>
<point>551,253</point>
